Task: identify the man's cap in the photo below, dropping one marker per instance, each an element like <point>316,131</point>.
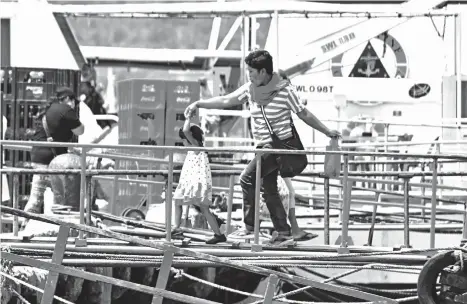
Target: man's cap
<point>63,92</point>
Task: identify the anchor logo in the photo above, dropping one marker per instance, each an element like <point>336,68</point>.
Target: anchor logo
<point>370,66</point>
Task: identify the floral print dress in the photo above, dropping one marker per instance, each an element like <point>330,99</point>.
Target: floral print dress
<point>195,185</point>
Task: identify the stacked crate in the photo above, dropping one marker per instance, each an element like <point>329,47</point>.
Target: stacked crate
<point>150,113</point>
<point>24,92</point>
<point>179,95</point>
<point>141,122</point>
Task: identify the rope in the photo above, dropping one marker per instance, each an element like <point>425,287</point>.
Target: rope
<point>188,260</point>
<point>32,286</point>
<point>180,273</point>
<point>319,257</point>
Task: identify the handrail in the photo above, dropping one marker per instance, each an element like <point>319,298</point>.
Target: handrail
<point>106,117</point>
<point>345,174</point>
<point>246,114</point>
<point>219,166</point>
<point>13,144</point>
<point>226,149</point>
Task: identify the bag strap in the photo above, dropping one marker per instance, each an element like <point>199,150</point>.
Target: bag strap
<point>267,121</point>
<point>47,133</point>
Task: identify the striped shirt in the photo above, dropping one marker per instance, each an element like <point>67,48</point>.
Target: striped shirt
<point>278,112</point>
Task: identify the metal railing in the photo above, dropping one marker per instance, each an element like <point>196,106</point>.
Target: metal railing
<point>168,248</point>
<point>346,177</point>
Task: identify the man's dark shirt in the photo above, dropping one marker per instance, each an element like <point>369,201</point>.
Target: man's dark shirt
<point>61,119</point>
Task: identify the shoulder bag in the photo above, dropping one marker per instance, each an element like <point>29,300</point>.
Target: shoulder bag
<point>290,165</point>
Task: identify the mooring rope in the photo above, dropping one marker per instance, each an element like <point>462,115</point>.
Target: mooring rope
<point>179,273</point>
<point>42,253</point>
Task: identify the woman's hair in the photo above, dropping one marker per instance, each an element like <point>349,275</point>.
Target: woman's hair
<point>196,132</point>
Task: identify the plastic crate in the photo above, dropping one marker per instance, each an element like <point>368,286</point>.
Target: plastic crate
<point>182,93</point>
<point>137,126</point>
<point>24,92</point>
<point>32,84</point>
<point>143,94</point>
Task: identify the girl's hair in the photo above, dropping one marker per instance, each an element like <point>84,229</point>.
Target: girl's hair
<point>196,132</point>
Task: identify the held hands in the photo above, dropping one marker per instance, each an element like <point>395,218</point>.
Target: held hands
<point>191,110</point>
<point>333,134</point>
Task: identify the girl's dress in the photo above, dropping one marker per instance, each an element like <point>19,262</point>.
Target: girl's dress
<point>195,185</point>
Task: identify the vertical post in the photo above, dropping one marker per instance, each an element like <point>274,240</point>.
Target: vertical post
<point>149,179</point>
<point>326,211</point>
<point>464,230</point>
<point>57,258</point>
<point>164,273</point>
<point>434,187</point>
<point>245,46</point>
<point>373,220</point>
<point>1,146</point>
<point>15,203</point>
<point>256,246</point>
<point>386,148</point>
<point>406,213</point>
<point>113,204</point>
<point>270,289</point>
<point>347,186</point>
<point>423,201</point>
<point>458,68</point>
<point>276,19</point>
<point>230,204</point>
<point>168,199</point>
<point>89,193</point>
<point>254,27</point>
<point>106,295</point>
<point>82,198</point>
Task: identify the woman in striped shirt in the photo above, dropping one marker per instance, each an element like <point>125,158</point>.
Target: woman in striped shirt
<point>278,99</point>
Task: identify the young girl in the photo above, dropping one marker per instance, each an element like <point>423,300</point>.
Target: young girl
<point>195,185</point>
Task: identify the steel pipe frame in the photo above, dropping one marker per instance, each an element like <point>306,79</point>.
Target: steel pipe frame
<point>394,193</point>
<point>246,114</point>
<point>195,264</point>
<point>256,247</point>
<point>172,10</point>
<point>387,204</point>
<point>219,166</point>
<point>225,149</point>
<point>305,253</point>
<point>226,262</point>
<point>400,174</point>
